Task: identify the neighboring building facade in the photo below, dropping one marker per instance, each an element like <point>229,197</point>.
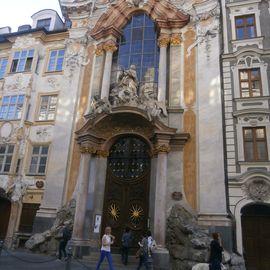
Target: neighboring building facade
<point>122,111</point>
<point>247,129</point>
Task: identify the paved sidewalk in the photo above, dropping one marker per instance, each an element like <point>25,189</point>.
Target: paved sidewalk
<point>23,260</point>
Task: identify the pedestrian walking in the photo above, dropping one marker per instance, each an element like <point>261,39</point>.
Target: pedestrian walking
<point>151,246</point>
<point>126,241</point>
<point>142,253</point>
<point>105,251</point>
<point>66,236</point>
<point>216,249</point>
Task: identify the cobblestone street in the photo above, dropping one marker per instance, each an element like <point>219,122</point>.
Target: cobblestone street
<point>21,260</point>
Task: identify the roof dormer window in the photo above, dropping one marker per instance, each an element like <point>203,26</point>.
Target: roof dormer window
<point>44,23</point>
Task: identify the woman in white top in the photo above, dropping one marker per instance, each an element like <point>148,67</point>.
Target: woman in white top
<point>107,241</point>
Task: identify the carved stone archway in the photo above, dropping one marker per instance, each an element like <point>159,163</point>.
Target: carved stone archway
<point>161,11</point>
<point>98,134</point>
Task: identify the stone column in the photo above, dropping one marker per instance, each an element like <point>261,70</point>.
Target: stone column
<point>175,71</point>
<point>81,196</point>
<point>163,43</point>
<point>110,48</point>
<point>96,80</point>
<point>161,194</point>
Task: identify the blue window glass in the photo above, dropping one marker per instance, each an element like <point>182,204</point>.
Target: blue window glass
<point>56,60</point>
<point>22,61</point>
<point>245,26</point>
<point>11,108</point>
<point>3,66</point>
<point>138,46</point>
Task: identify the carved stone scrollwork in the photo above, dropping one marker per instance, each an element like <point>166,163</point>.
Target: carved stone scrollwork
<point>136,3</point>
<point>257,189</point>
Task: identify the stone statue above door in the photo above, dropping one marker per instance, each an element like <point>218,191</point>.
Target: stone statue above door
<point>126,92</point>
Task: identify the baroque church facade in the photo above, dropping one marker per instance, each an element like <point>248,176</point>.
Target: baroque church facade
<point>129,109</point>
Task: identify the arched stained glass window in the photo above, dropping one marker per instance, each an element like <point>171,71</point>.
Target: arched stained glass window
<point>138,46</point>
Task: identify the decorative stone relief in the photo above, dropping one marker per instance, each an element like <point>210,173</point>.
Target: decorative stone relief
<point>136,3</point>
<point>17,188</point>
<point>249,61</point>
<point>18,82</point>
<point>257,189</point>
<point>25,42</point>
<point>125,93</point>
<point>10,132</point>
<point>205,18</point>
<point>53,82</point>
<point>253,120</point>
<point>76,54</point>
<point>41,134</point>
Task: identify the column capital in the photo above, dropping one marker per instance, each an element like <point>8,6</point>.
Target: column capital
<point>99,50</point>
<point>176,40</point>
<point>162,148</point>
<point>163,41</point>
<point>102,153</point>
<point>87,150</point>
<point>110,46</point>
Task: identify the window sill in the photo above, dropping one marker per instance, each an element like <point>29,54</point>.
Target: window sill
<point>251,98</point>
<point>266,162</point>
<point>18,72</point>
<point>44,122</point>
<point>49,73</point>
<point>37,176</point>
<point>9,120</point>
<point>258,41</point>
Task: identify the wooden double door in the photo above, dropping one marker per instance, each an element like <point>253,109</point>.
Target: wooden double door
<point>126,199</point>
<point>256,236</point>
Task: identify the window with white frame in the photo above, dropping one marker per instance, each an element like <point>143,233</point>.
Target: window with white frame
<point>3,66</point>
<point>44,23</point>
<point>250,82</point>
<point>22,61</point>
<point>38,160</point>
<point>11,107</point>
<point>255,145</point>
<point>56,60</point>
<point>47,107</point>
<point>6,152</point>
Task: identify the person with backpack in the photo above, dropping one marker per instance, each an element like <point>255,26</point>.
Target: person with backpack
<point>63,242</point>
<point>142,253</point>
<point>126,241</point>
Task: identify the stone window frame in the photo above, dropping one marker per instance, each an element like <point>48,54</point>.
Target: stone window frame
<point>250,62</point>
<point>37,111</point>
<point>48,57</point>
<point>257,120</point>
<point>3,67</point>
<point>249,81</point>
<point>18,110</point>
<point>240,9</point>
<point>17,57</point>
<point>39,156</point>
<point>5,155</point>
<point>255,141</point>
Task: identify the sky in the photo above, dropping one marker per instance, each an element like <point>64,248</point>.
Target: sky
<point>18,12</point>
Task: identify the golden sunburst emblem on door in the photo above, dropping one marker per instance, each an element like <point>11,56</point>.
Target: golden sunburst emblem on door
<point>136,213</point>
<point>114,211</point>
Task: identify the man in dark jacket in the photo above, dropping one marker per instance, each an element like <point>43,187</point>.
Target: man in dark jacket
<point>126,241</point>
<point>63,242</point>
<point>216,249</point>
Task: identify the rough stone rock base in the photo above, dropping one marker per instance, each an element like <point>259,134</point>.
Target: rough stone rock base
<point>161,259</point>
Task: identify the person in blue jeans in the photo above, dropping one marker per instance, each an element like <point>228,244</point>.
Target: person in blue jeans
<point>105,251</point>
